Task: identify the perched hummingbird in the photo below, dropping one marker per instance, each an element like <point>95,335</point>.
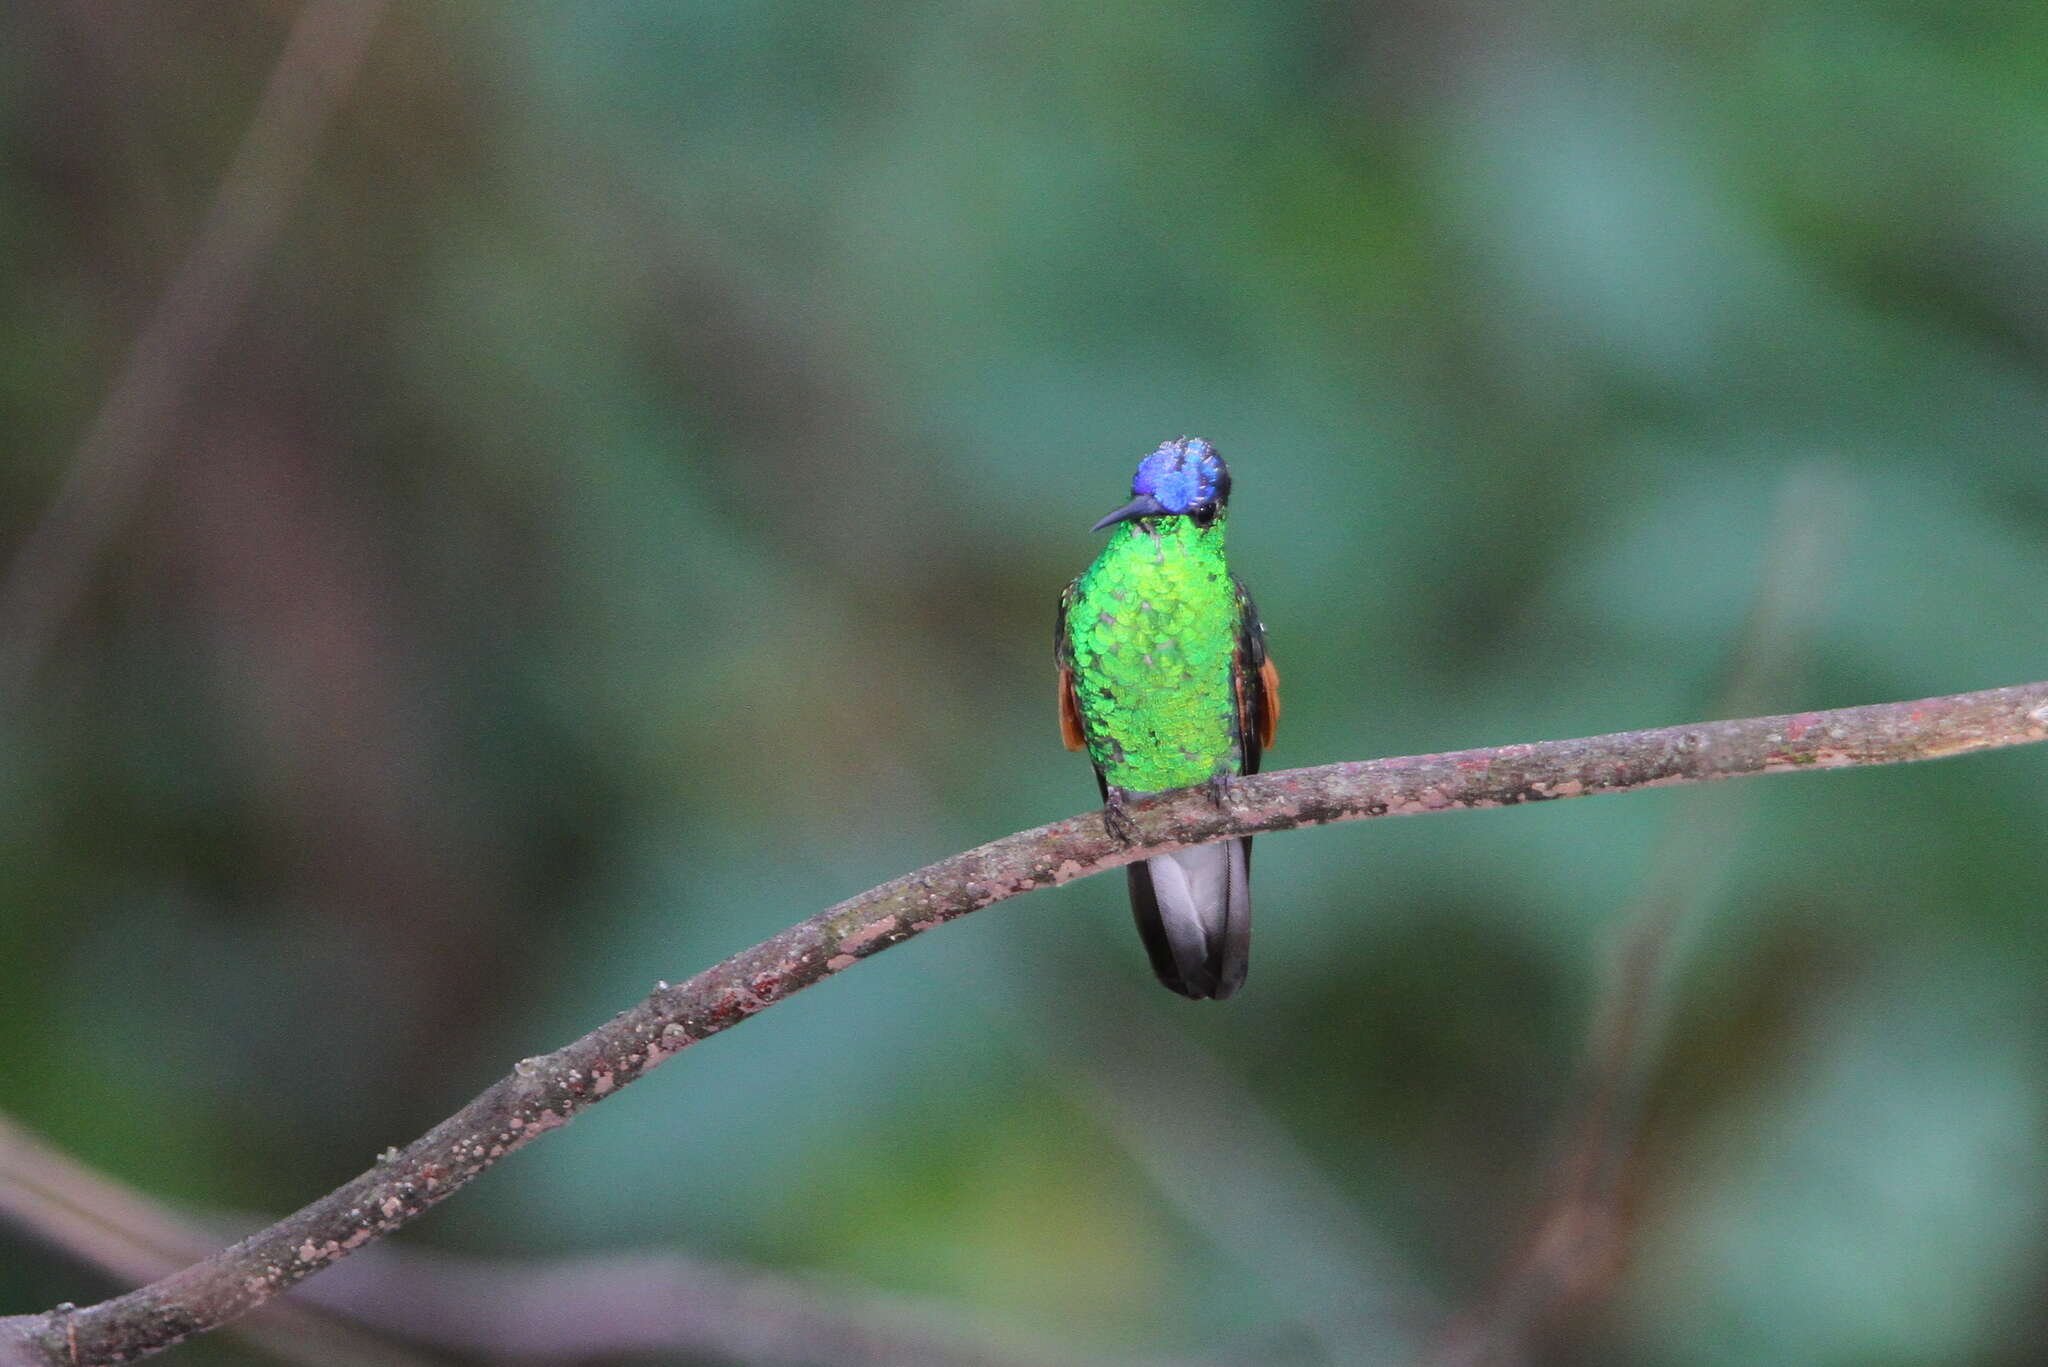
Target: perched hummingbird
<point>1164,681</point>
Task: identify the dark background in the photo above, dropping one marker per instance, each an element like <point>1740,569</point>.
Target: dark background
<point>625,513</point>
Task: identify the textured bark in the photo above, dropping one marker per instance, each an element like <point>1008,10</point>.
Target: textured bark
<point>543,1093</point>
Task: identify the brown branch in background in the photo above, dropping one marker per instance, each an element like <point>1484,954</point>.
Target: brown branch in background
<point>633,1304</point>
<point>546,1092</point>
<point>199,307</point>
<point>562,1310</point>
<point>63,1203</point>
<point>1581,1239</point>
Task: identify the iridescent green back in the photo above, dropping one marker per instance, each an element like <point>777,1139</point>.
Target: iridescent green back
<point>1152,630</point>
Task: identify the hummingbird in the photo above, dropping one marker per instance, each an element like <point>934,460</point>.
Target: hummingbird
<point>1165,682</point>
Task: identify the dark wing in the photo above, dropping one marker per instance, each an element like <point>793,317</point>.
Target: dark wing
<point>1258,683</point>
<point>1063,655</point>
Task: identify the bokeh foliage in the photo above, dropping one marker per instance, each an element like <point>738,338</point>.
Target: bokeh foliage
<point>628,515</point>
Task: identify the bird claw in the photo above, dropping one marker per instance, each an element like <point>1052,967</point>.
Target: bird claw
<point>1220,789</point>
<point>1116,818</point>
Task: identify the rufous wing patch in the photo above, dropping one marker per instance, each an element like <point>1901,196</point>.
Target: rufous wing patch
<point>1070,712</point>
<point>1269,717</point>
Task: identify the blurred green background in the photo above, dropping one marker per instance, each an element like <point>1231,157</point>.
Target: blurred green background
<point>625,516</point>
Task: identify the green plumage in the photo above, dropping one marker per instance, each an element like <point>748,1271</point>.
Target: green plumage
<point>1152,631</point>
<point>1165,681</point>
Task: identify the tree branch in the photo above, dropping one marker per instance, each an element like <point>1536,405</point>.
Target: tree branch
<point>543,1093</point>
<point>62,1203</point>
<point>372,1311</point>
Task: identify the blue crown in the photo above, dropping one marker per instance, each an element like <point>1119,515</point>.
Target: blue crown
<point>1183,475</point>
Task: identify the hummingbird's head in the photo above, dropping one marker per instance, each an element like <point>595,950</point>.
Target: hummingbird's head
<point>1183,478</point>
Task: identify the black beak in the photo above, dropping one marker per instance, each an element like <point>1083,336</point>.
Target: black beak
<point>1144,505</point>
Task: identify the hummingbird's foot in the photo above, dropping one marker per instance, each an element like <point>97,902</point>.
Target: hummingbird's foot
<point>1116,817</point>
<point>1220,788</point>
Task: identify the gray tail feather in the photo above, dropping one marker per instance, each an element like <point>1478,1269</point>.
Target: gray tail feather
<point>1194,912</point>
